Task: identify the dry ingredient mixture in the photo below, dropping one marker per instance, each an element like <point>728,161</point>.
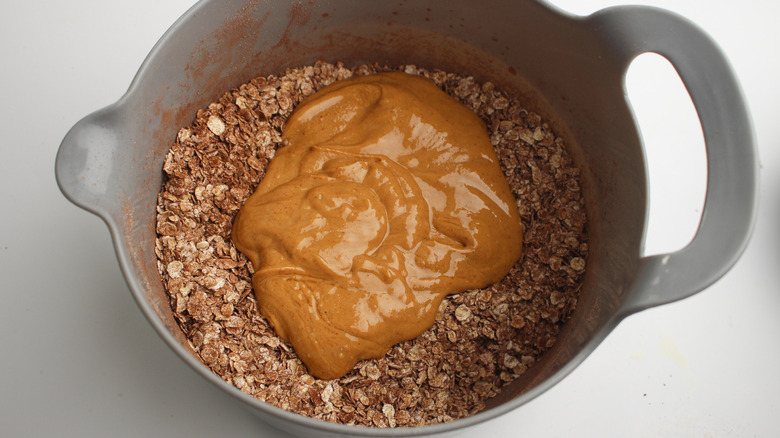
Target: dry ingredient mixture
<point>481,339</point>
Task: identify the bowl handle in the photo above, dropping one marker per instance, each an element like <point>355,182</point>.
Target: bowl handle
<point>732,164</point>
<point>85,162</point>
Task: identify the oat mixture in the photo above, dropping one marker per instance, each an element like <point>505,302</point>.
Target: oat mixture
<point>481,340</point>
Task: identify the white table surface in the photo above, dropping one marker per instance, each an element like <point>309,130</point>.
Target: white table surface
<point>79,359</point>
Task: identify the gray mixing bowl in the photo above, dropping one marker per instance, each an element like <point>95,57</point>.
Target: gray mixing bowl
<point>570,69</point>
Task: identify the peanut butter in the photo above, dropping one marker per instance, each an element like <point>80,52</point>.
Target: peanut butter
<point>387,197</point>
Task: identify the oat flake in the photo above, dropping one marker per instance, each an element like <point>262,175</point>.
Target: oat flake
<point>449,371</point>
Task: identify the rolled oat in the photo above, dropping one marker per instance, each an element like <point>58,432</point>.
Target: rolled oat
<point>481,340</point>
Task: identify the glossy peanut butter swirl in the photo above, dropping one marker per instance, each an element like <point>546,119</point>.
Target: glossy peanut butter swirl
<point>387,197</point>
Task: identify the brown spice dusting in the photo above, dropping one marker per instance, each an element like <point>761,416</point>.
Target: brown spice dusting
<point>481,340</point>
